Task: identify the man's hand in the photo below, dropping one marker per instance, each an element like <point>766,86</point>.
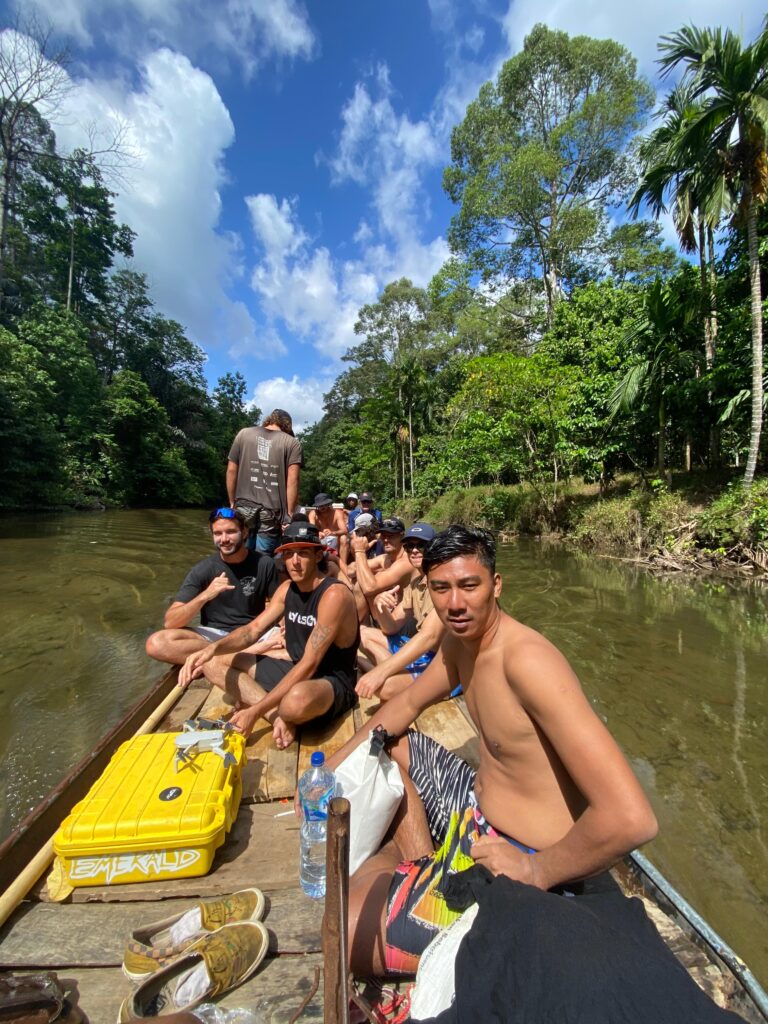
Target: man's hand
<point>502,858</point>
<point>193,666</point>
<point>370,684</point>
<point>389,600</point>
<point>217,586</point>
<point>244,720</point>
<point>359,543</point>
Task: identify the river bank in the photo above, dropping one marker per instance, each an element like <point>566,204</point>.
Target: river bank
<point>699,524</point>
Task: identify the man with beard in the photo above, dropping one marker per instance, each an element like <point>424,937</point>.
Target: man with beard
<point>227,589</point>
<point>321,638</point>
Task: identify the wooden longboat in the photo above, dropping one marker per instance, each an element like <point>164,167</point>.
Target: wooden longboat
<point>82,940</point>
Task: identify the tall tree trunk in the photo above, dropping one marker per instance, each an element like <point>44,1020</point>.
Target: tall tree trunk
<point>410,441</point>
<point>714,428</point>
<point>5,202</point>
<point>70,276</point>
<point>661,450</point>
<point>757,341</point>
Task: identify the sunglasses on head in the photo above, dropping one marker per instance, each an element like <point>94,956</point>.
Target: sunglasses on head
<point>222,513</point>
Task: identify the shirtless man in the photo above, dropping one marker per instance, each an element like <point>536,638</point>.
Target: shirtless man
<point>375,575</point>
<point>550,774</point>
<point>321,637</point>
<point>331,522</point>
<point>409,630</point>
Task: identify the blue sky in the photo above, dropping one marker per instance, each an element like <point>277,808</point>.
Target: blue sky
<point>287,156</point>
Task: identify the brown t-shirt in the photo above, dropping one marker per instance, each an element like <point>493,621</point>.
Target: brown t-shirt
<point>263,457</point>
<point>417,600</point>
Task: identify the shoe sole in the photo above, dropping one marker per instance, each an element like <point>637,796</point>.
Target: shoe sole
<point>256,916</point>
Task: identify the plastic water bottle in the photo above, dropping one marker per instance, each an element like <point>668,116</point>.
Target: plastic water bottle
<point>316,789</point>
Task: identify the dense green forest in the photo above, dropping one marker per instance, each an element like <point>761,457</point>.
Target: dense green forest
<point>564,341</point>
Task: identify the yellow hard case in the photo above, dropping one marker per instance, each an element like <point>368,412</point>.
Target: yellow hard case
<point>143,820</point>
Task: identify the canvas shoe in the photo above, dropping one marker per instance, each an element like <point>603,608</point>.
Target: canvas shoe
<point>158,944</point>
<point>213,965</point>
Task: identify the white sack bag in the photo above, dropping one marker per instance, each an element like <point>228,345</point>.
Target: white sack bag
<point>371,781</point>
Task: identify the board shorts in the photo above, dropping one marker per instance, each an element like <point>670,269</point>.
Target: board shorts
<point>271,671</point>
<point>396,641</point>
<point>416,907</point>
<point>209,633</point>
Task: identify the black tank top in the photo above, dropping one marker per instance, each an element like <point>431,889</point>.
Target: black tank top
<point>300,620</point>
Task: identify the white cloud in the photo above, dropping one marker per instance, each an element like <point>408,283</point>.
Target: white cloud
<point>302,398</point>
<point>250,31</point>
<point>179,129</point>
<point>638,27</point>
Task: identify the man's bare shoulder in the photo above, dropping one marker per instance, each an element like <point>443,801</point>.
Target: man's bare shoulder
<point>533,666</point>
<point>338,601</point>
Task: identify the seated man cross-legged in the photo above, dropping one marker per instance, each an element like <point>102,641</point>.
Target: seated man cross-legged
<point>553,800</point>
<point>227,589</point>
<point>321,638</point>
<point>409,631</point>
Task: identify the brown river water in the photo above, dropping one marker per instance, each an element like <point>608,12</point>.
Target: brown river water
<point>676,668</point>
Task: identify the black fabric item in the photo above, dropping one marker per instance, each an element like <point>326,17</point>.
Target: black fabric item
<point>254,579</point>
<point>271,671</point>
<point>535,957</point>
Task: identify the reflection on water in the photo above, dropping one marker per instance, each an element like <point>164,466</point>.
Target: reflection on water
<point>675,669</point>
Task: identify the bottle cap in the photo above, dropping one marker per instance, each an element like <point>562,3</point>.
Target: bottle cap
<point>317,759</point>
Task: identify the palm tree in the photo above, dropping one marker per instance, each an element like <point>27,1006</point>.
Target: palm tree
<point>660,337</point>
<point>727,141</point>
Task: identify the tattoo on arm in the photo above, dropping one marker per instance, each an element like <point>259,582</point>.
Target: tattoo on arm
<point>319,635</point>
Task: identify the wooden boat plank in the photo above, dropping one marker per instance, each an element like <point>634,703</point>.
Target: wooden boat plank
<point>326,738</point>
<point>445,723</point>
<point>260,850</point>
<point>94,935</point>
<point>281,771</point>
<point>367,706</point>
<point>275,991</point>
<point>255,784</point>
<point>188,706</point>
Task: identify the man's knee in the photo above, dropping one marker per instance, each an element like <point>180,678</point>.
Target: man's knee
<point>157,645</point>
<point>399,751</point>
<point>303,701</point>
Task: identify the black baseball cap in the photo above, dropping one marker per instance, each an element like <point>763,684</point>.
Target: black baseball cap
<point>365,496</point>
<point>300,535</point>
<point>322,499</point>
<point>392,525</point>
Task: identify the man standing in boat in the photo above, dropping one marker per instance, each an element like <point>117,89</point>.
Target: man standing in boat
<point>263,470</point>
<point>321,638</point>
<point>227,590</point>
<point>553,800</point>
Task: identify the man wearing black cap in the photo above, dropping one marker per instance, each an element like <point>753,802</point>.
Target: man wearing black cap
<point>331,522</point>
<point>263,477</point>
<point>392,569</point>
<point>321,637</point>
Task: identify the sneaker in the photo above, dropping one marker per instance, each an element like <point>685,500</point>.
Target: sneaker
<point>210,967</point>
<point>158,944</point>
